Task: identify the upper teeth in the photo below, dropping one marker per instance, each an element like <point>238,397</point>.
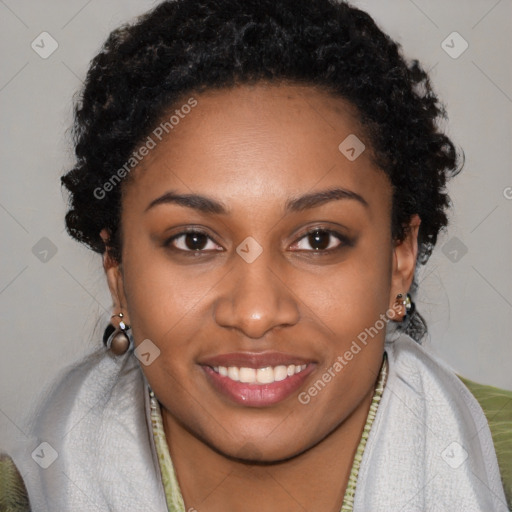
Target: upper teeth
<point>265,375</point>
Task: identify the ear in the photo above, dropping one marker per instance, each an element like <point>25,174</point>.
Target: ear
<point>404,260</point>
<point>114,278</point>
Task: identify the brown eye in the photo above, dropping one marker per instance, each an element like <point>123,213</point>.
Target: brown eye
<point>192,241</point>
<point>195,241</point>
<point>321,240</point>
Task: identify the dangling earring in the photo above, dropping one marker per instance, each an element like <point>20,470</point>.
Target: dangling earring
<point>408,304</point>
<point>118,341</point>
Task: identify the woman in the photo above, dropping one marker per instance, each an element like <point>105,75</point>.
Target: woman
<point>262,179</point>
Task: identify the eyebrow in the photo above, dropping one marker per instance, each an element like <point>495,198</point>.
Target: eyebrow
<point>206,204</point>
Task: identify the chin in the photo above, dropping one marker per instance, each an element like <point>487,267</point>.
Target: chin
<point>262,452</point>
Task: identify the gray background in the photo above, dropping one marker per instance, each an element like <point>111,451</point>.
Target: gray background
<point>53,307</point>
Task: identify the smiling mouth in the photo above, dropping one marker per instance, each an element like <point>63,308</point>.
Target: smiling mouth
<point>257,379</point>
<point>266,375</point>
<point>258,387</point>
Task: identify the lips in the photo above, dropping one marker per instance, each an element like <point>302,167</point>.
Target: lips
<point>256,379</point>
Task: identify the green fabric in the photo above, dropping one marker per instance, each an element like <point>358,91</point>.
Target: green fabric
<point>497,406</point>
<point>13,495</point>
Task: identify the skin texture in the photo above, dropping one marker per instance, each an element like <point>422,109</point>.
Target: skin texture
<point>253,148</point>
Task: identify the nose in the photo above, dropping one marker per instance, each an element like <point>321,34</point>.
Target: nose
<point>255,299</point>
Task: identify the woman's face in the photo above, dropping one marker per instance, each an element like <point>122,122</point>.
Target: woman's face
<point>250,171</point>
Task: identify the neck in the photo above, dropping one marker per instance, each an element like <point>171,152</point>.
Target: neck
<point>314,480</point>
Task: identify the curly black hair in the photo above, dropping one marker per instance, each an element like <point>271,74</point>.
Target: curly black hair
<point>188,46</point>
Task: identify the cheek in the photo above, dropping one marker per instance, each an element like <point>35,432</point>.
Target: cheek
<point>351,302</point>
<point>164,306</point>
<point>158,293</point>
<point>353,295</point>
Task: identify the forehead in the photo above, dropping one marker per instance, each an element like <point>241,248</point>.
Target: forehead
<point>260,141</point>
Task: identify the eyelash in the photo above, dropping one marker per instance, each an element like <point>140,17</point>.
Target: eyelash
<point>344,241</point>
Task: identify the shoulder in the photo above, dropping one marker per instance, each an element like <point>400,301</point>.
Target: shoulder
<point>87,386</point>
<point>95,423</point>
<point>13,493</point>
<point>486,407</point>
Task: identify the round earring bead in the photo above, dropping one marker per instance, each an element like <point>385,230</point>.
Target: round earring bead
<point>120,344</point>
